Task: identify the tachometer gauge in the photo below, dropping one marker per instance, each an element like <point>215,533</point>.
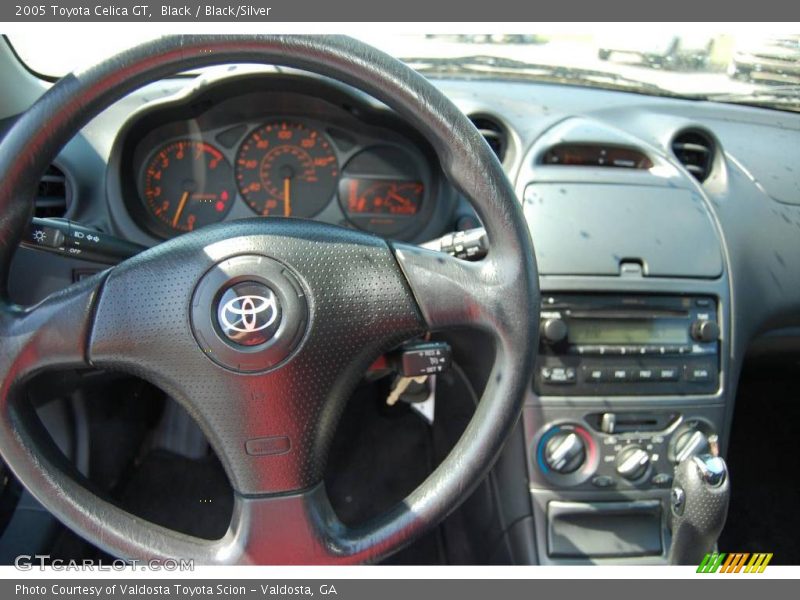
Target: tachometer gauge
<point>286,169</point>
<point>186,185</point>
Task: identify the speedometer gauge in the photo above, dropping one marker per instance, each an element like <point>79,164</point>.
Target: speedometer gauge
<point>286,169</point>
<point>186,185</point>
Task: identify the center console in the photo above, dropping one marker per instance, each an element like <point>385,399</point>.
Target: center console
<point>632,369</point>
<point>625,386</point>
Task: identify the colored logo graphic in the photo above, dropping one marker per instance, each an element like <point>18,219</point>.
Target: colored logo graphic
<point>735,562</point>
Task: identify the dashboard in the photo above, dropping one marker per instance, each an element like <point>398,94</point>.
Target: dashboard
<point>279,146</point>
<point>665,217</point>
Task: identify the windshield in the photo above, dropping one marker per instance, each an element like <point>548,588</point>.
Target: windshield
<point>757,68</point>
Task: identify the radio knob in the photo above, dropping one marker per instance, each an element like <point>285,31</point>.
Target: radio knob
<point>565,452</point>
<point>553,330</point>
<point>705,331</point>
<point>632,462</point>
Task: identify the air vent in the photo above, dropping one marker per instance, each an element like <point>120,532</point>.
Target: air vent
<point>493,132</point>
<point>695,150</point>
<point>53,194</point>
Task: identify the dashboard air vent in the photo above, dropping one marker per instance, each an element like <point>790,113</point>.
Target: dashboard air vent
<point>695,150</point>
<point>53,194</point>
<point>493,132</point>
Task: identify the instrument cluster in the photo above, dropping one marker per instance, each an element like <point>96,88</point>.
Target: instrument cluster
<point>207,158</point>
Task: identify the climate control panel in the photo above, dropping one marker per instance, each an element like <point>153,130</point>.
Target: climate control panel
<point>615,450</point>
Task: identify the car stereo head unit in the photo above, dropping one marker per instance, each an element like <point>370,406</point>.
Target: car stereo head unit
<point>593,344</point>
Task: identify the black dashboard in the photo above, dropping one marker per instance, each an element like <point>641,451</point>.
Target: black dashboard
<point>650,201</point>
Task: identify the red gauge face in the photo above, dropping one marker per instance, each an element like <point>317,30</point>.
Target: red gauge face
<point>384,206</point>
<point>187,185</point>
<point>286,169</point>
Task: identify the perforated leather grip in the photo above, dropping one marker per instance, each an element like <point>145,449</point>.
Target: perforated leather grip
<point>698,520</point>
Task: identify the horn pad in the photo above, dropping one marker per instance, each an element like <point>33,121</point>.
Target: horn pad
<point>249,313</point>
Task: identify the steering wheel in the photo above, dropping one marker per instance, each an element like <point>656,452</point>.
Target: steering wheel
<point>262,328</point>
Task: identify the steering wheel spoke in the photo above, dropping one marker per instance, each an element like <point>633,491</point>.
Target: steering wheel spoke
<point>51,334</point>
<point>295,529</point>
<point>454,293</point>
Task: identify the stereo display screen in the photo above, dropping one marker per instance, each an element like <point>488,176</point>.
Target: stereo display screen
<point>627,331</point>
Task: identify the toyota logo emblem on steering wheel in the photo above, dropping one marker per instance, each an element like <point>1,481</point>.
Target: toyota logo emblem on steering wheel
<point>243,313</point>
<point>248,313</point>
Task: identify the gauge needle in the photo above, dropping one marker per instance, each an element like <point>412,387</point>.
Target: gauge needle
<point>178,212</point>
<point>398,197</point>
<point>287,206</point>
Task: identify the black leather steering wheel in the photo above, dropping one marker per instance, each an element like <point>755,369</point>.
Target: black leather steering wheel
<point>346,298</point>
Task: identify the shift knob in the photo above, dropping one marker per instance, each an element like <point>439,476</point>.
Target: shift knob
<point>699,507</point>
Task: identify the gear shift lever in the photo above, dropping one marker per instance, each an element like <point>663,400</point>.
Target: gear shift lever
<point>699,507</point>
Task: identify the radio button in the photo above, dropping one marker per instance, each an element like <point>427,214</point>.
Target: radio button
<point>620,374</point>
<point>558,375</point>
<point>644,374</point>
<point>655,350</point>
<point>698,374</point>
<point>584,349</point>
<point>595,374</point>
<point>667,374</point>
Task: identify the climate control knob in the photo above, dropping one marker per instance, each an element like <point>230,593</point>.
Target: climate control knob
<point>565,452</point>
<point>632,462</point>
<point>690,442</point>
